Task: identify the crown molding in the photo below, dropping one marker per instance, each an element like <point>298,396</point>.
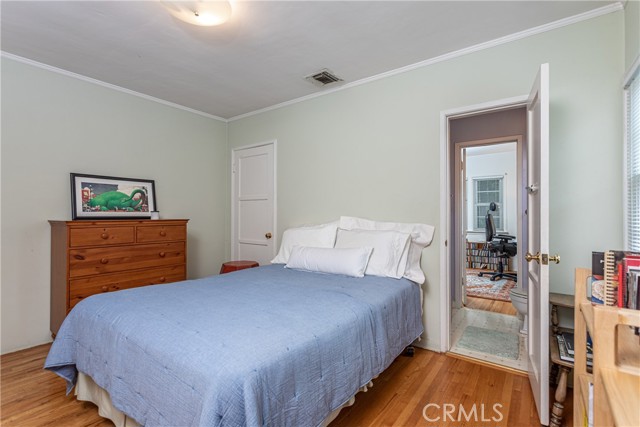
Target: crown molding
<point>73,75</point>
<point>614,7</point>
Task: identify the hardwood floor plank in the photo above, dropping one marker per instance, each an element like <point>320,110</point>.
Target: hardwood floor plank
<point>33,397</point>
<point>494,306</point>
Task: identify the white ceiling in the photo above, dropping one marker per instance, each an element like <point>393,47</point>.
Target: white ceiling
<point>260,57</point>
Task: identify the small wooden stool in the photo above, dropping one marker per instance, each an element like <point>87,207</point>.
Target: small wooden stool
<point>230,266</point>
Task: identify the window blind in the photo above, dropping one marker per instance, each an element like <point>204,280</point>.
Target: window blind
<point>633,164</point>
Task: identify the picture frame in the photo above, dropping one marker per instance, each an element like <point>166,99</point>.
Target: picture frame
<point>111,197</point>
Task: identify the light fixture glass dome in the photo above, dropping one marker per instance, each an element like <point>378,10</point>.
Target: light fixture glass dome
<point>205,13</point>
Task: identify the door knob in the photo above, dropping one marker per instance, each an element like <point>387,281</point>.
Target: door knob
<point>268,236</point>
<point>554,258</point>
<point>530,257</point>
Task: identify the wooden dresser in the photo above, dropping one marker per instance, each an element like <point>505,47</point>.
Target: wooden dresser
<point>91,257</point>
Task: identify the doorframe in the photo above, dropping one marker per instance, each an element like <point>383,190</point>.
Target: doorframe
<point>458,203</point>
<point>446,202</point>
<point>234,244</point>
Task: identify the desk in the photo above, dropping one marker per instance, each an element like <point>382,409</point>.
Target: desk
<point>565,367</point>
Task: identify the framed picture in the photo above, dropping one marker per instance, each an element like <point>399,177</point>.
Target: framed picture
<point>110,197</point>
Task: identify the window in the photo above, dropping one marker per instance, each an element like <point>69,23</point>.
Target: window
<point>485,191</point>
<point>632,178</point>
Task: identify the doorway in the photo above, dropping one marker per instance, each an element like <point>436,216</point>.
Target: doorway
<point>488,155</point>
<point>533,226</point>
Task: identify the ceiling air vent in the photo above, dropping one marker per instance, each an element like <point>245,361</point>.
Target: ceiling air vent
<point>323,78</point>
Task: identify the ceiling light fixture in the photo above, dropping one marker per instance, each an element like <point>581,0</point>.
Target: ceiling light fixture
<point>205,13</point>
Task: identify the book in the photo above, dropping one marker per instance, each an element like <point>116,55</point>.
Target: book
<point>564,352</point>
<point>610,277</point>
<point>633,275</point>
<point>597,265</point>
<point>636,291</point>
<point>590,409</point>
<point>597,277</point>
<point>597,290</point>
<point>568,340</point>
<point>628,261</point>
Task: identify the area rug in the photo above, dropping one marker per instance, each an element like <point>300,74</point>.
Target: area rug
<point>483,287</point>
<point>496,343</point>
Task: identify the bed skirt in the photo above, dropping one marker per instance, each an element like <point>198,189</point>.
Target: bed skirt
<point>87,390</point>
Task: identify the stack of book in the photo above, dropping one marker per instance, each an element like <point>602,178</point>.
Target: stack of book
<point>616,279</point>
<point>616,276</point>
<point>566,349</point>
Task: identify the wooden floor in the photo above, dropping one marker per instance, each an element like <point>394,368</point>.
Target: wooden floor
<point>495,306</point>
<point>32,396</point>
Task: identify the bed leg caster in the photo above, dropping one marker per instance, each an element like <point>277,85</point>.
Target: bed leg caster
<point>408,351</point>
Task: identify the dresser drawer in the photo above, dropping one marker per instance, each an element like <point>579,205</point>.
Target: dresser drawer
<point>93,236</point>
<point>90,261</point>
<point>80,289</point>
<point>161,233</point>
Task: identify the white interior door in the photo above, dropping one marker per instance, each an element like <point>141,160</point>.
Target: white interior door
<point>538,242</point>
<point>254,204</point>
<point>459,209</point>
<point>463,222</point>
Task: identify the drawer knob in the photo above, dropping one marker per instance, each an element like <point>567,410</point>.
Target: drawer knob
<point>162,254</point>
<point>163,279</point>
<point>163,233</point>
<point>105,236</point>
<point>104,260</point>
<point>105,289</point>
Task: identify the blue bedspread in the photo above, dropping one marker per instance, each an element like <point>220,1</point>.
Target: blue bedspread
<point>263,346</point>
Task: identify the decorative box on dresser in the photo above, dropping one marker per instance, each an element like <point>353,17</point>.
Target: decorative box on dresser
<point>92,257</point>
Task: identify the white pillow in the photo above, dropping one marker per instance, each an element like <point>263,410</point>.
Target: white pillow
<point>390,250</point>
<point>318,236</point>
<point>350,262</point>
<point>421,237</point>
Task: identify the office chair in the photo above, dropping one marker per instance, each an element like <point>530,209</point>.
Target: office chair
<point>502,244</point>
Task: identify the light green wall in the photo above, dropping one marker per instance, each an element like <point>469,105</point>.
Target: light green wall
<point>632,31</point>
<point>371,151</point>
<point>374,150</point>
<point>53,125</point>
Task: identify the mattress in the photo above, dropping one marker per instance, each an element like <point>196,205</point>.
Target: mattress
<point>87,390</point>
<point>263,346</point>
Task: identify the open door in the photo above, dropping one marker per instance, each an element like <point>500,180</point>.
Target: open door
<point>538,243</point>
<point>463,222</point>
<point>460,207</point>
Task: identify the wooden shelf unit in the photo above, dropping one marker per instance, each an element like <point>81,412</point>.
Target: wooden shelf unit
<point>616,361</point>
<point>480,257</point>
